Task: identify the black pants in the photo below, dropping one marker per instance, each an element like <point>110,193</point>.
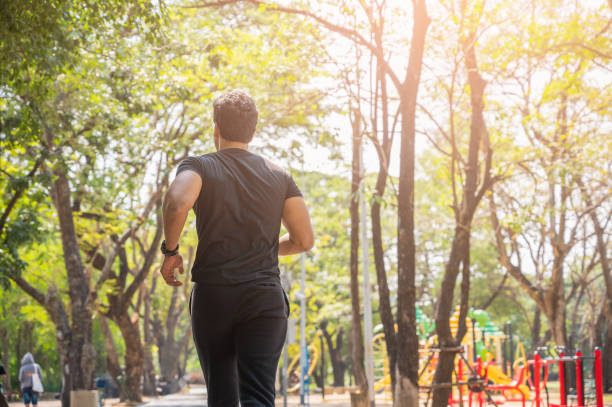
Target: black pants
<point>239,332</point>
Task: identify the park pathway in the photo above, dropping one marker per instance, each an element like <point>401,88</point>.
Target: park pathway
<point>196,396</point>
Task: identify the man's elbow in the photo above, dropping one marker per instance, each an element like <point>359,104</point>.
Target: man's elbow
<point>307,243</point>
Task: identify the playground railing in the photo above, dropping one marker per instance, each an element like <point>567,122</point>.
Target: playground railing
<point>564,363</point>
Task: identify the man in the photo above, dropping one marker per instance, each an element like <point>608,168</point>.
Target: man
<point>238,308</point>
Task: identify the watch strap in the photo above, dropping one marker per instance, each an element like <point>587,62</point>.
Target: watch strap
<point>167,252</point>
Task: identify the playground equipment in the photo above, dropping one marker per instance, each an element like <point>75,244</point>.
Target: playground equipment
<point>482,338</point>
<point>483,369</point>
<point>382,383</point>
<point>513,389</point>
<point>575,388</point>
<point>313,356</point>
<point>486,371</point>
<point>581,391</point>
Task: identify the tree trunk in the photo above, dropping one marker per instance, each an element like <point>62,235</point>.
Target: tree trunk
<point>446,339</point>
<point>536,327</point>
<point>133,358</point>
<point>555,313</point>
<point>460,249</point>
<point>407,339</point>
<point>112,359</point>
<point>149,384</point>
<point>606,268</point>
<point>128,382</point>
<point>573,337</point>
<point>607,352</point>
<point>384,297</point>
<point>356,333</point>
<point>81,353</point>
<point>557,322</point>
<point>62,347</point>
<point>318,379</point>
<point>384,158</point>
<point>169,350</point>
<point>118,310</point>
<point>185,350</point>
<point>168,354</point>
<point>5,357</point>
<point>335,354</point>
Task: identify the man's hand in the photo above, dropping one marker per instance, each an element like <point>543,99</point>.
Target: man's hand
<point>167,269</point>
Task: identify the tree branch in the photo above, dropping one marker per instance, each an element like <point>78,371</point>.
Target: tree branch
<point>148,263</point>
<point>579,45</point>
<point>345,32</point>
<point>531,290</point>
<point>493,296</point>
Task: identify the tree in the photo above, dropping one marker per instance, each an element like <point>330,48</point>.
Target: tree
<point>474,176</point>
<point>594,198</point>
<point>542,225</point>
<point>335,353</point>
<point>37,97</point>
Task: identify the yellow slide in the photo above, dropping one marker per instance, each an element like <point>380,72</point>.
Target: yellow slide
<point>382,384</point>
<point>497,376</point>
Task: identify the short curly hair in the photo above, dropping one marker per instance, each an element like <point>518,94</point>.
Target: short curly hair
<point>236,115</point>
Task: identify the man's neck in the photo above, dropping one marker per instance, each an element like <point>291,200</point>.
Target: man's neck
<point>225,144</point>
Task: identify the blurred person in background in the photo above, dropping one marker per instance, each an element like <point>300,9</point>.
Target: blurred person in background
<point>30,377</point>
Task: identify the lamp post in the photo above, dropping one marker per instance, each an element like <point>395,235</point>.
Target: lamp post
<point>303,366</point>
<point>287,287</point>
<point>367,295</point>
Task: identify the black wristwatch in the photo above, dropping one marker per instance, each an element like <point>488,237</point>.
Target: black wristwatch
<point>167,252</point>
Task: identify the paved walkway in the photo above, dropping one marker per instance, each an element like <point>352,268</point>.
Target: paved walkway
<point>195,397</point>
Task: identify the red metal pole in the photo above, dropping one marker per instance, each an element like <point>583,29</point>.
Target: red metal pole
<point>536,378</point>
<point>460,378</point>
<point>598,378</point>
<point>563,396</point>
<point>480,375</point>
<point>579,389</point>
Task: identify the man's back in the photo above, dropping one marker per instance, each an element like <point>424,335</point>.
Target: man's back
<point>238,216</point>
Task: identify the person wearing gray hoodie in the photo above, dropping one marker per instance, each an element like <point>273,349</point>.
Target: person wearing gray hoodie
<point>28,368</point>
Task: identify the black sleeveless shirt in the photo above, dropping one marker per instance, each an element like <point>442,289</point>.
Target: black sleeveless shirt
<point>238,216</point>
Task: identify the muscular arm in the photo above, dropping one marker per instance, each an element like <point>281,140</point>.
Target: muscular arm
<point>179,199</point>
<point>297,222</point>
